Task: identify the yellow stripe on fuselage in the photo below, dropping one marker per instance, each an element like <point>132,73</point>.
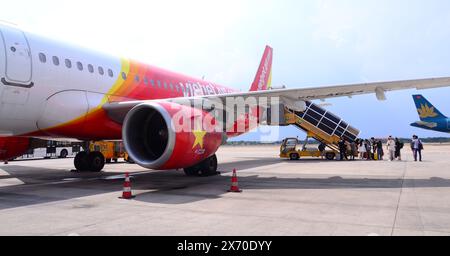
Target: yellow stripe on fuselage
<point>125,68</point>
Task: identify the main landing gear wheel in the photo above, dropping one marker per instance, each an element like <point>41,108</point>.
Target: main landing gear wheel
<point>80,161</point>
<point>330,156</point>
<point>96,161</point>
<point>206,168</point>
<point>93,161</point>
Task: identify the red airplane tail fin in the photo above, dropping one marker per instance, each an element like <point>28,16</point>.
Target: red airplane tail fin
<point>263,78</point>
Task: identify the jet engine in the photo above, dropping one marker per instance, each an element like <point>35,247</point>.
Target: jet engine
<point>172,136</point>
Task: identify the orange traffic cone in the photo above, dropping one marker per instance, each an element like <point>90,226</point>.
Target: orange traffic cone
<point>234,183</point>
<point>126,194</point>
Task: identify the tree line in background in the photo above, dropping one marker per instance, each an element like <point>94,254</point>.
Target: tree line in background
<point>404,140</point>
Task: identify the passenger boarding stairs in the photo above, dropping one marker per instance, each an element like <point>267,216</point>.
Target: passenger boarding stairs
<point>321,125</point>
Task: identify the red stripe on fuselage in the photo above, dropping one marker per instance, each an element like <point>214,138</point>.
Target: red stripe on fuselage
<point>96,125</point>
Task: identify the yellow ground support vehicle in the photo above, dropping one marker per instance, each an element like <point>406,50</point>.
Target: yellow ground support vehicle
<point>112,150</point>
<point>292,149</point>
<point>319,124</point>
<point>127,158</point>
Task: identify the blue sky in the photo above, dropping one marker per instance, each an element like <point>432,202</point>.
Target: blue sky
<point>315,43</point>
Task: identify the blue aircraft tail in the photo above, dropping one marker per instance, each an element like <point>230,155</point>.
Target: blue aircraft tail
<point>426,110</point>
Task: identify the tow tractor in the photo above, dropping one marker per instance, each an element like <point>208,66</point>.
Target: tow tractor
<point>292,149</point>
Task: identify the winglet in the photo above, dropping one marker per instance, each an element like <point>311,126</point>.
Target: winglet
<point>425,109</point>
<point>263,78</point>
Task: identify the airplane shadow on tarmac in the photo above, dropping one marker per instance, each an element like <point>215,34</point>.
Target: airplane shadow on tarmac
<point>173,187</point>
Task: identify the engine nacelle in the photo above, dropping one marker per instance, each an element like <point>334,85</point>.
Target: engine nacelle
<point>164,136</point>
<point>12,147</point>
<point>297,105</point>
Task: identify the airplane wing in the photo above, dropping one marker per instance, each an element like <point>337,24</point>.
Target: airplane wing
<point>118,110</point>
<point>325,92</point>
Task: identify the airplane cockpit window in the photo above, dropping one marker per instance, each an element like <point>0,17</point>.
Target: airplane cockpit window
<point>42,57</point>
<point>55,60</point>
<point>91,68</point>
<point>80,66</point>
<point>124,76</point>
<point>110,73</point>
<point>68,63</point>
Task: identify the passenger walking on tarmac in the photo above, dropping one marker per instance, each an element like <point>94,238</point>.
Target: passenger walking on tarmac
<point>368,149</point>
<point>417,147</point>
<point>322,147</point>
<point>373,143</point>
<point>398,149</point>
<point>361,149</point>
<point>391,148</point>
<point>380,151</point>
<point>353,149</point>
<point>342,149</point>
<point>348,145</point>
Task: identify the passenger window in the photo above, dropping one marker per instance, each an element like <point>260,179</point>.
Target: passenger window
<point>159,84</point>
<point>42,57</point>
<point>165,85</point>
<point>110,73</point>
<point>68,63</point>
<point>171,86</point>
<point>80,66</point>
<point>91,68</point>
<point>137,79</point>
<point>177,88</point>
<point>152,82</point>
<point>101,71</point>
<point>124,76</point>
<point>145,80</point>
<point>55,60</point>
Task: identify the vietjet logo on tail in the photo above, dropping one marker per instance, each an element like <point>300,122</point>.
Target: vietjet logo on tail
<point>265,70</point>
<point>264,75</point>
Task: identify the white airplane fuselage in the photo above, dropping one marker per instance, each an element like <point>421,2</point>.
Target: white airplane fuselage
<point>46,84</point>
